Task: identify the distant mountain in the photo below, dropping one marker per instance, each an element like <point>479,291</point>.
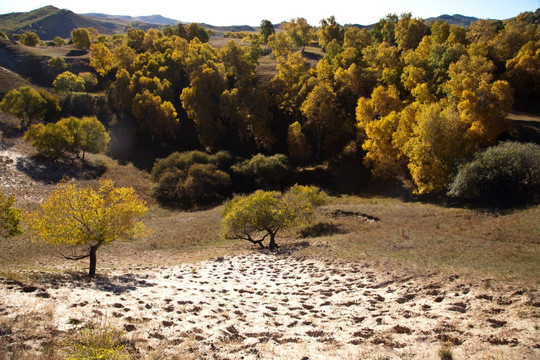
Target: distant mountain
<point>152,19</point>
<point>50,21</point>
<point>456,19</point>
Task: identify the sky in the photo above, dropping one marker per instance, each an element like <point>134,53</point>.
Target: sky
<point>249,12</point>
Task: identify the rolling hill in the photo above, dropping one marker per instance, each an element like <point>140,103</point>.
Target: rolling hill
<point>49,21</point>
<point>152,19</point>
<point>455,19</point>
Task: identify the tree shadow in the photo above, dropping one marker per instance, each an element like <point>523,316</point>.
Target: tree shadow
<point>41,281</point>
<point>321,229</point>
<point>46,171</point>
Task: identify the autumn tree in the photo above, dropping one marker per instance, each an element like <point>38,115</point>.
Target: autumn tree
<point>123,56</point>
<point>300,32</point>
<point>58,41</point>
<point>87,218</point>
<point>57,63</point>
<point>297,143</point>
<point>81,38</point>
<point>30,38</point>
<point>324,120</point>
<point>101,58</point>
<point>155,117</point>
<point>67,83</point>
<point>329,30</point>
<point>69,136</point>
<point>378,117</point>
<point>290,82</point>
<point>263,214</point>
<point>280,44</point>
<point>10,217</point>
<point>27,104</point>
<point>409,31</point>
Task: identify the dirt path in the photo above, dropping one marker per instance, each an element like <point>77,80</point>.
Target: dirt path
<point>267,306</point>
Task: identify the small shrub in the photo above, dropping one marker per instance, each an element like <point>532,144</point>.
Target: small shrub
<point>98,341</point>
<point>501,176</point>
<point>445,352</point>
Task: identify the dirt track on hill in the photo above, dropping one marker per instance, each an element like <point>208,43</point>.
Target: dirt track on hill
<point>267,306</point>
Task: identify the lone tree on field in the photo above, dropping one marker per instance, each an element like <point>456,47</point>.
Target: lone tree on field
<point>262,214</point>
<point>10,217</point>
<point>86,218</point>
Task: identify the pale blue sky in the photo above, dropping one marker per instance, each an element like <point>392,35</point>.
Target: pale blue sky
<point>240,12</point>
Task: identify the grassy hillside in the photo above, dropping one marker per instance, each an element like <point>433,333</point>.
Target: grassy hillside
<point>50,21</point>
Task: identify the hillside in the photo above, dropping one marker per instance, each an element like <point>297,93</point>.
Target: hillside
<point>151,19</point>
<point>455,19</point>
<point>49,21</point>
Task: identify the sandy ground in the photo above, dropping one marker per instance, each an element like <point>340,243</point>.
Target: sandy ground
<point>265,305</point>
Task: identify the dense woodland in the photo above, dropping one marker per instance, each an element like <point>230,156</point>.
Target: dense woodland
<point>408,100</point>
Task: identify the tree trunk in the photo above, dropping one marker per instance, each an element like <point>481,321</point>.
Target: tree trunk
<point>92,270</point>
<point>272,245</point>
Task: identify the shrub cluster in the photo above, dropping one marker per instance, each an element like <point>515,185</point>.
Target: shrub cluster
<point>501,176</point>
<point>192,178</point>
<point>196,178</point>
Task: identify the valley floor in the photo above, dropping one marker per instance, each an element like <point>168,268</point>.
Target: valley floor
<point>277,305</point>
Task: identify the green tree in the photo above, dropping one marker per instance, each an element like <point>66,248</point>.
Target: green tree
<point>10,217</point>
<point>69,136</point>
<point>267,29</point>
<point>67,82</point>
<point>134,39</point>
<point>264,172</point>
<point>262,214</point>
<point>26,103</point>
<point>81,38</point>
<point>84,217</point>
<point>30,39</point>
<point>57,63</point>
<point>500,176</point>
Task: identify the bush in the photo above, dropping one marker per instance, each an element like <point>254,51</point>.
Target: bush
<point>501,176</point>
<point>30,38</point>
<point>192,178</point>
<point>264,172</point>
<point>205,184</point>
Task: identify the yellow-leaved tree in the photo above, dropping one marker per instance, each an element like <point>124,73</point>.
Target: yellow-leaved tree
<point>262,214</point>
<point>89,219</point>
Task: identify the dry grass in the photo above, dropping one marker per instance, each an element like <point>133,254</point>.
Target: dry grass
<point>504,246</point>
